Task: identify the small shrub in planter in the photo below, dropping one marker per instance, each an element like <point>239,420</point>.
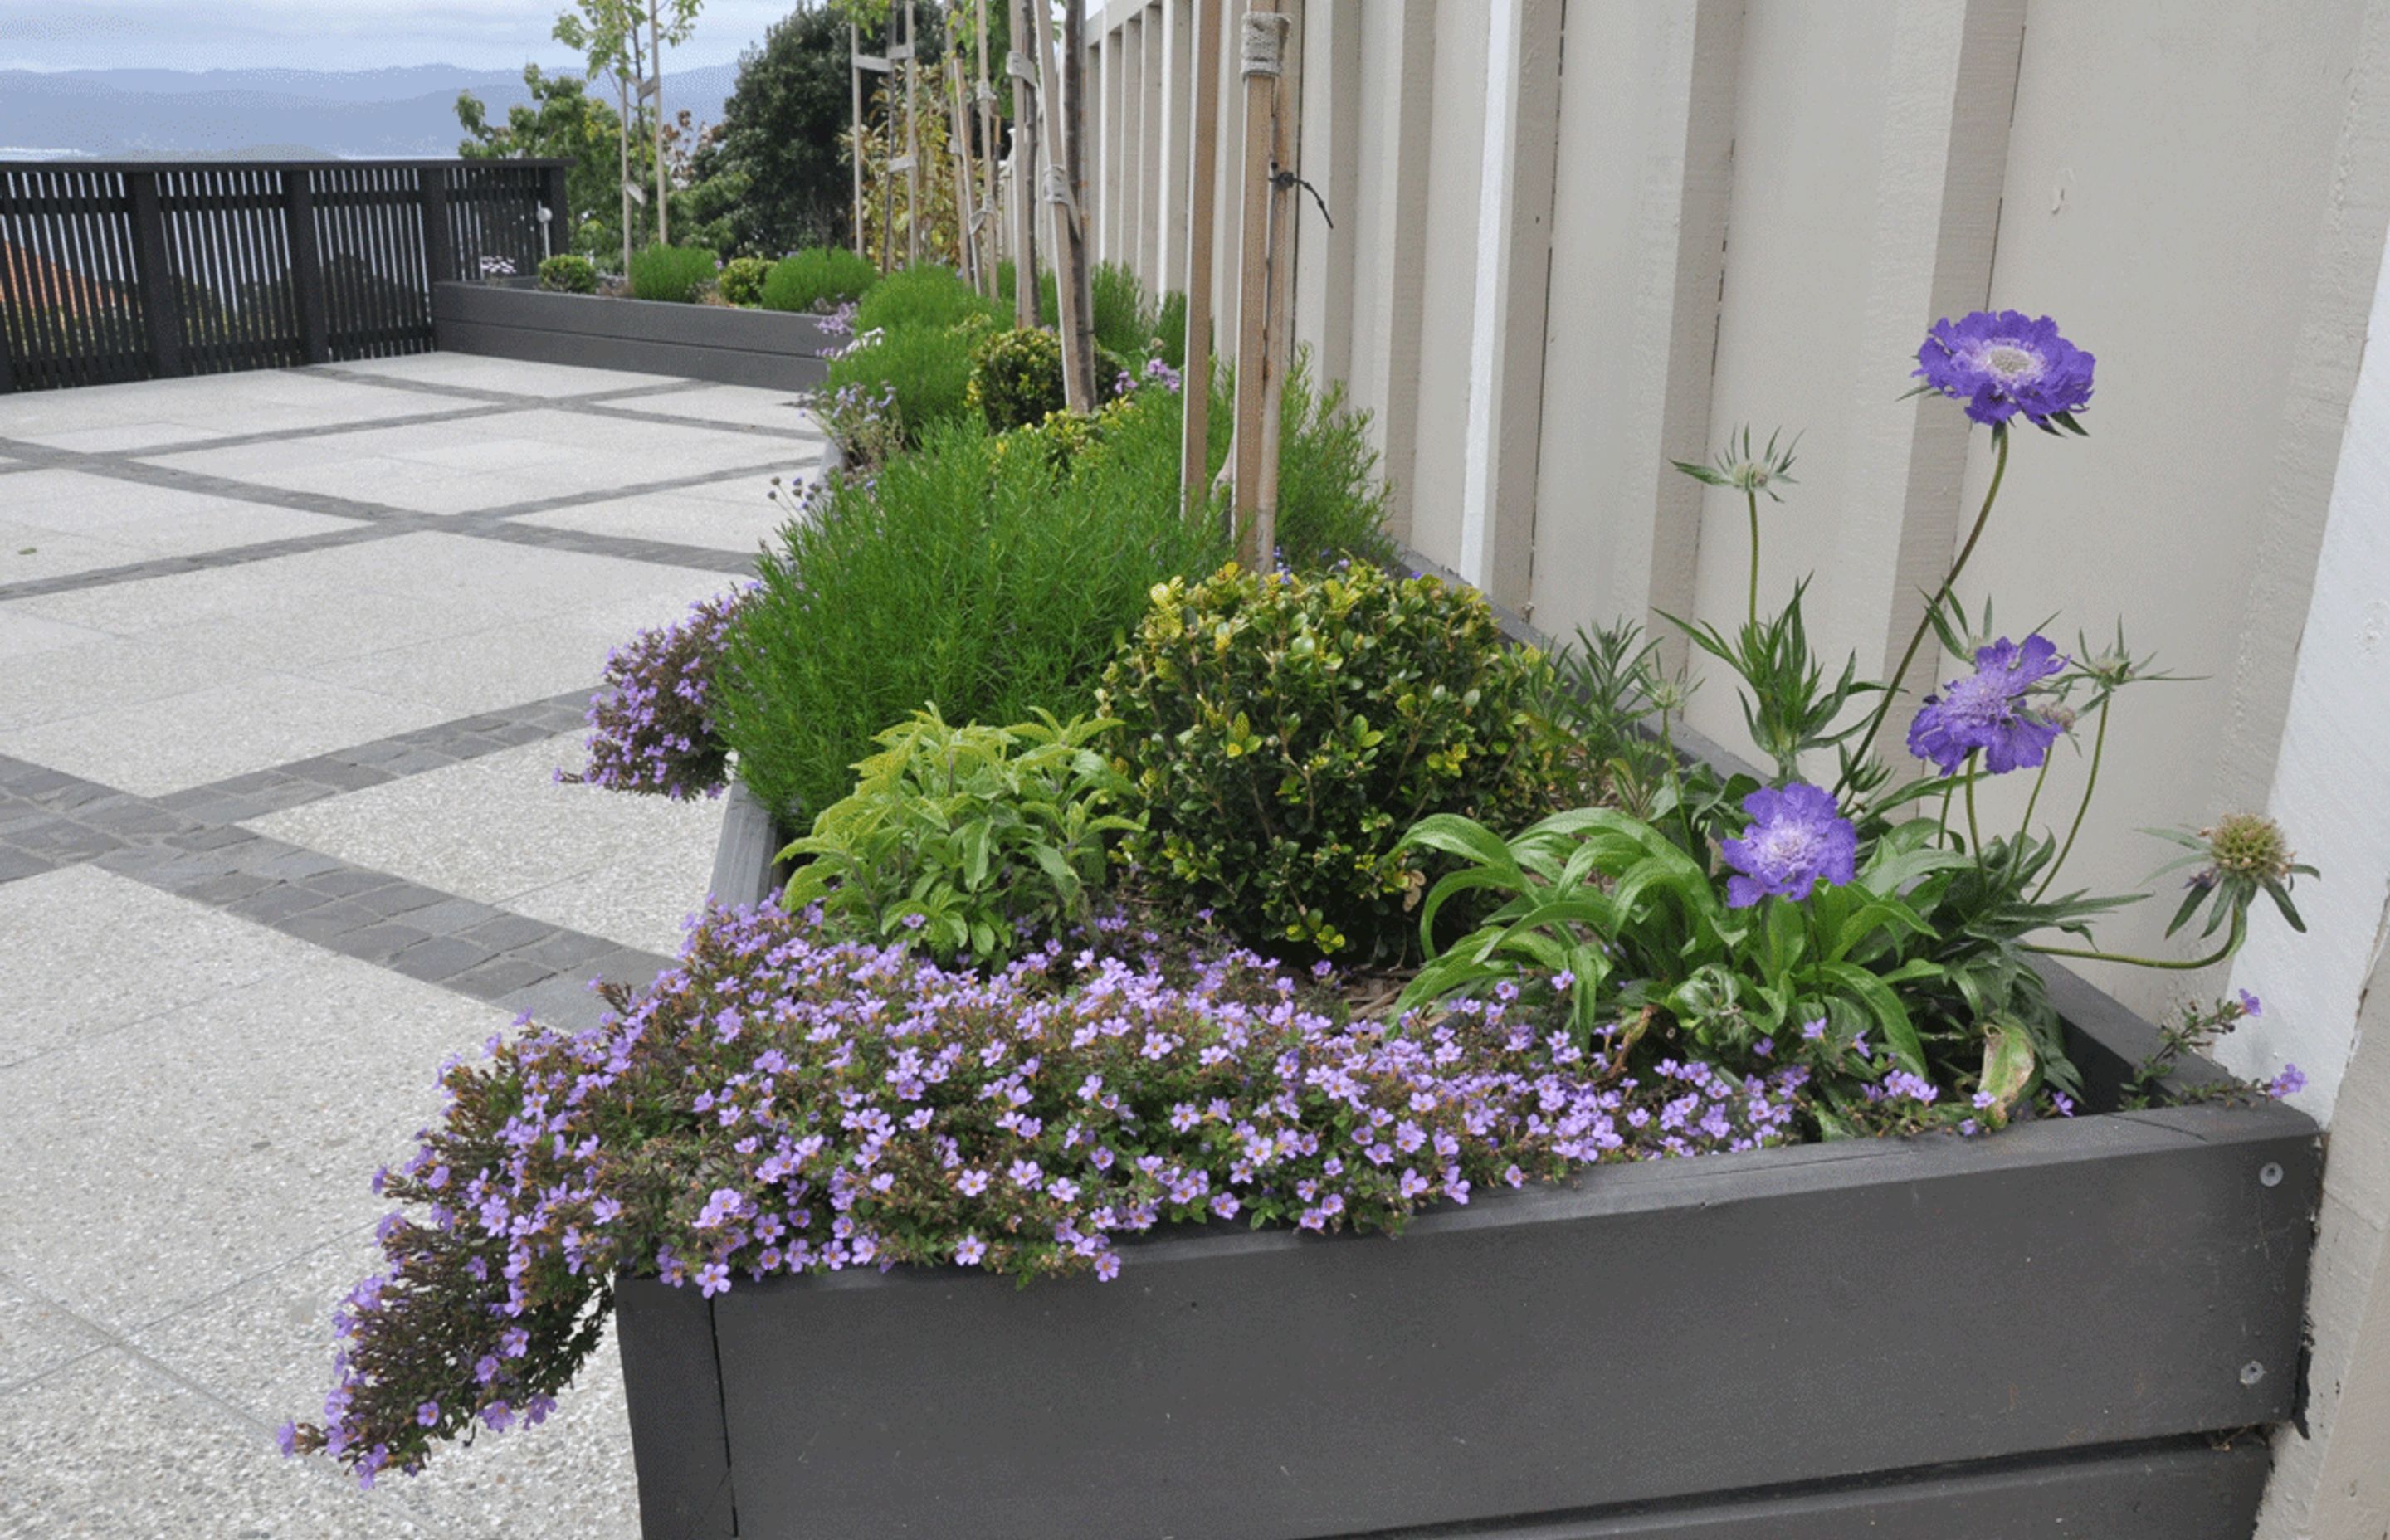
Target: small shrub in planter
<point>1284,733</point>
<point>1122,321</point>
<point>988,585</point>
<point>924,295</point>
<point>1016,378</point>
<point>652,723</point>
<point>965,840</point>
<point>816,278</point>
<point>780,1105</point>
<point>743,280</point>
<point>924,371</point>
<point>672,273</point>
<point>567,273</point>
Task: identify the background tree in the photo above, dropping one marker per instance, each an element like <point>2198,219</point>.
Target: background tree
<point>611,38</point>
<point>781,131</point>
<point>561,121</point>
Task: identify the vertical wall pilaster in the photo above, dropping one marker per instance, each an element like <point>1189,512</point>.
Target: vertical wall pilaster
<point>1325,253</point>
<point>1514,225</point>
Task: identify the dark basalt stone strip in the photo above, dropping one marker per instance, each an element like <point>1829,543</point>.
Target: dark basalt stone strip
<point>49,819</point>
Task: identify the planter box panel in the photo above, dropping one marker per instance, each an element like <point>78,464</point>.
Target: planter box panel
<point>2184,1492</point>
<point>770,349</point>
<point>1656,1333</point>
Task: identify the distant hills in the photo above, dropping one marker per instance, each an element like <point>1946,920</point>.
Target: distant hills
<point>273,114</point>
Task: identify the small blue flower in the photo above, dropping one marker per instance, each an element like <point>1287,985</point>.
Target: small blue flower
<point>1797,838</point>
<point>2003,363</point>
<point>1985,711</point>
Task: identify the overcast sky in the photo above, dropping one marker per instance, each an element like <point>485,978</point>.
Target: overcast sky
<point>326,34</point>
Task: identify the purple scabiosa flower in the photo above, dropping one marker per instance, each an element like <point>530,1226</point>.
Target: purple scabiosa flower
<point>1797,838</point>
<point>1985,711</point>
<point>2289,1082</point>
<point>2001,362</point>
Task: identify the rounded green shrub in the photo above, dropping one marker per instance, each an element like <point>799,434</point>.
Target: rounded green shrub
<point>672,273</point>
<point>924,295</point>
<point>743,280</point>
<point>1017,378</point>
<point>569,274</point>
<point>1282,733</point>
<point>818,279</point>
<point>926,371</point>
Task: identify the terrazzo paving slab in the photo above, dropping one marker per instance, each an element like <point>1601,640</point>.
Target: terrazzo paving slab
<point>56,521</point>
<point>147,1169</point>
<point>264,1347</point>
<point>723,523</point>
<point>113,1448</point>
<point>203,405</point>
<point>37,1336</point>
<point>91,954</point>
<point>514,375</point>
<point>742,403</point>
<point>248,722</point>
<point>501,830</point>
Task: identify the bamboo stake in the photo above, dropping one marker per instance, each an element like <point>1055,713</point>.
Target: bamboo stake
<point>622,86</point>
<point>912,138</point>
<point>1024,172</point>
<point>854,90</point>
<point>1195,382</point>
<point>888,173</point>
<point>663,193</point>
<point>1059,191</point>
<point>1285,211</point>
<point>1080,356</point>
<point>984,97</point>
<point>1260,45</point>
<point>959,119</point>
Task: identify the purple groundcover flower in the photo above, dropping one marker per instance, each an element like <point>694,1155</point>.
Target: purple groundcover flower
<point>1797,836</point>
<point>2289,1082</point>
<point>1985,711</point>
<point>2002,362</point>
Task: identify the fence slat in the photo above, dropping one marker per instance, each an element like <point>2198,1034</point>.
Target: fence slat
<point>156,276</point>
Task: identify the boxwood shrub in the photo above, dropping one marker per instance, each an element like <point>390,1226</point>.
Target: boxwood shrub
<point>1283,733</point>
<point>743,280</point>
<point>568,273</point>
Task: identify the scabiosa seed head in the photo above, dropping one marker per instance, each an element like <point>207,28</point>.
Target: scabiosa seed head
<point>2003,363</point>
<point>2248,846</point>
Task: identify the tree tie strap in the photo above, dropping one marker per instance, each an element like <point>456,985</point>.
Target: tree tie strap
<point>1057,189</point>
<point>1261,47</point>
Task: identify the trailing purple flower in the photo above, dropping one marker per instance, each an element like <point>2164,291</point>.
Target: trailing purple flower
<point>857,1119</point>
<point>1986,711</point>
<point>652,726</point>
<point>2001,362</point>
<point>1798,838</point>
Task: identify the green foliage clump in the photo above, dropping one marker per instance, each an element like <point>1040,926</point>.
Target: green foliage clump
<point>1122,322</point>
<point>1170,329</point>
<point>1331,502</point>
<point>817,278</point>
<point>778,140</point>
<point>966,840</point>
<point>743,280</point>
<point>1017,378</point>
<point>924,372</point>
<point>672,273</point>
<point>988,585</point>
<point>923,295</point>
<point>1283,733</point>
<point>568,273</point>
<point>561,120</point>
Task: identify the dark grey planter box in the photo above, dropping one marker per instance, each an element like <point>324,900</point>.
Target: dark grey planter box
<point>777,350</point>
<point>2079,1327</point>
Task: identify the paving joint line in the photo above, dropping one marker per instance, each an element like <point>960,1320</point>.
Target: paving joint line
<point>187,845</point>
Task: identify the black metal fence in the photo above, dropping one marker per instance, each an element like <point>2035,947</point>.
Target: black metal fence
<point>113,271</point>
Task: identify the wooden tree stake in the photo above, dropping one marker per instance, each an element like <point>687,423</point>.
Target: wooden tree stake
<point>1285,210</point>
<point>1195,382</point>
<point>854,90</point>
<point>1025,134</point>
<point>912,137</point>
<point>1260,49</point>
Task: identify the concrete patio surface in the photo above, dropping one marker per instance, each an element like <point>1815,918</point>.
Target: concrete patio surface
<point>288,660</point>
